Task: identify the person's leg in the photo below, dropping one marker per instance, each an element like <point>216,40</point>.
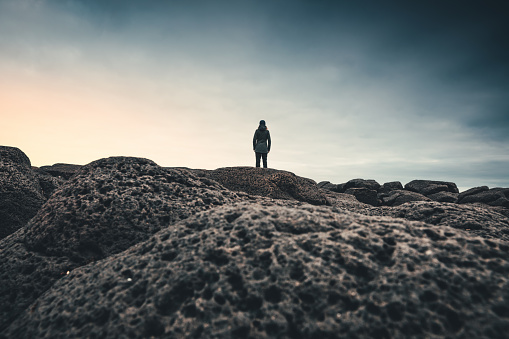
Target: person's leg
<point>258,156</point>
<point>264,157</point>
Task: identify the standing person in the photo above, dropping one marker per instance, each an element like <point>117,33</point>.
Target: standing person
<point>261,143</point>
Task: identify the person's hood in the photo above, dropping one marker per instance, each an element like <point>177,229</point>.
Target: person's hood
<point>262,128</point>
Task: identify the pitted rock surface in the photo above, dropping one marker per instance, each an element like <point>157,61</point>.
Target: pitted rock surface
<point>476,219</point>
<point>113,203</point>
<point>251,271</point>
<point>20,193</point>
<point>269,183</point>
<point>48,183</point>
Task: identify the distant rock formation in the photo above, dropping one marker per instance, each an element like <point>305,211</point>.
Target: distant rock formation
<point>125,248</point>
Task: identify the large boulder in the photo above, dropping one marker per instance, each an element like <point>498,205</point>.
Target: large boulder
<point>472,191</point>
<point>362,183</point>
<point>64,171</point>
<point>427,187</point>
<point>478,219</point>
<point>20,193</point>
<point>493,197</point>
<point>388,187</point>
<point>253,271</point>
<point>108,206</point>
<point>48,182</point>
<point>444,197</point>
<point>111,204</point>
<point>269,183</point>
<point>364,195</point>
<point>398,197</point>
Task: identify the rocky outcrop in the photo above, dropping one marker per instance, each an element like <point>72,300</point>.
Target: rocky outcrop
<point>399,197</point>
<point>64,171</point>
<point>493,197</point>
<point>268,183</point>
<point>362,183</point>
<point>48,183</point>
<point>253,271</point>
<point>427,187</point>
<point>248,253</point>
<point>20,193</point>
<point>364,195</point>
<point>108,206</point>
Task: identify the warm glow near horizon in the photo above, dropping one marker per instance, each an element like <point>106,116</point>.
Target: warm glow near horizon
<point>185,85</point>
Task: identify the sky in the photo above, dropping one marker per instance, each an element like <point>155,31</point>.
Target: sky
<point>383,90</point>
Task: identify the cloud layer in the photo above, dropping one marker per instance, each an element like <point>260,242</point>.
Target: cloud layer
<point>389,91</point>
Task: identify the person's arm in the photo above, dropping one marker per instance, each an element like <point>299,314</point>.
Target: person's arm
<point>254,140</point>
<point>268,141</point>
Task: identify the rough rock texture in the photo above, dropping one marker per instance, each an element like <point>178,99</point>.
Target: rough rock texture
<point>64,171</point>
<point>113,203</point>
<point>253,271</point>
<point>493,197</point>
<point>20,193</point>
<point>472,191</point>
<point>108,206</point>
<point>427,187</point>
<point>268,183</point>
<point>390,186</point>
<point>48,182</point>
<point>364,195</point>
<point>398,197</point>
<point>480,220</point>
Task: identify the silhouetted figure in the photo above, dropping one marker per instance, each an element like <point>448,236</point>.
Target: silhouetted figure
<point>261,143</point>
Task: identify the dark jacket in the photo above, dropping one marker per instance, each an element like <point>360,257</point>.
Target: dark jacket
<point>261,140</point>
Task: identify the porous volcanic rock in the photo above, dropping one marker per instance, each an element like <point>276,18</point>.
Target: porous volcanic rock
<point>477,219</point>
<point>20,193</point>
<point>398,197</point>
<point>493,197</point>
<point>427,187</point>
<point>48,182</point>
<point>64,171</point>
<point>113,203</point>
<point>108,206</point>
<point>253,271</point>
<point>269,183</point>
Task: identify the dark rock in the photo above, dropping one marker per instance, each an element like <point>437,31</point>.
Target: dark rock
<point>481,220</point>
<point>108,206</point>
<point>398,197</point>
<point>64,171</point>
<point>472,191</point>
<point>362,183</point>
<point>364,195</point>
<point>426,187</point>
<point>390,186</point>
<point>444,197</point>
<point>111,204</point>
<point>20,193</point>
<point>280,272</point>
<point>269,183</point>
<point>48,183</point>
<point>492,197</point>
